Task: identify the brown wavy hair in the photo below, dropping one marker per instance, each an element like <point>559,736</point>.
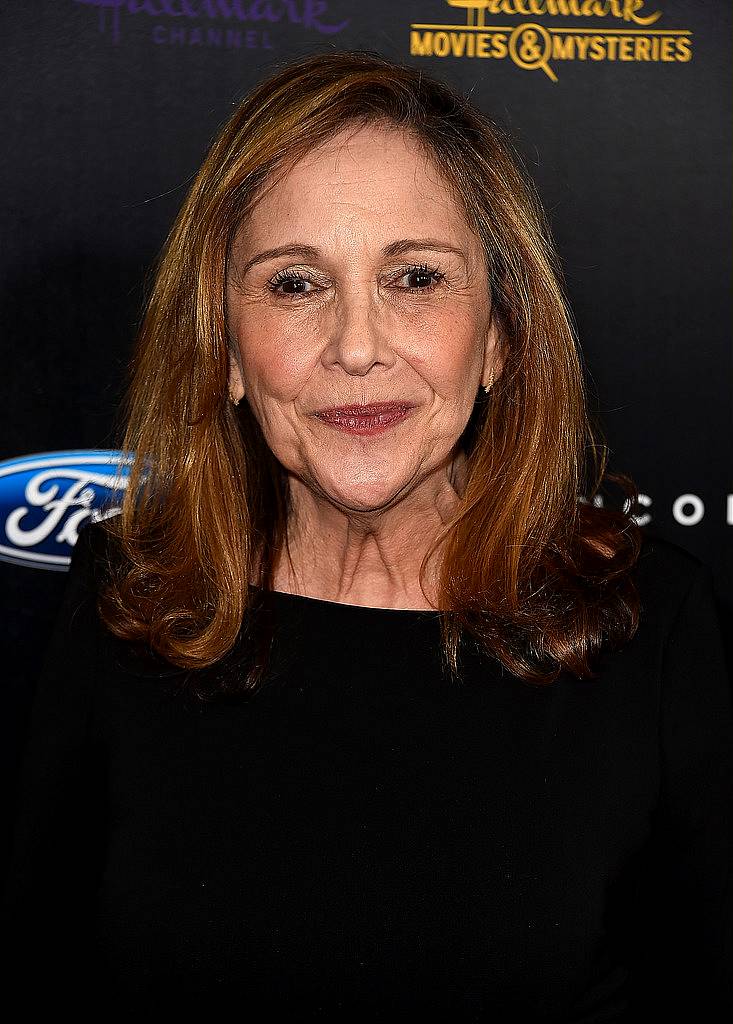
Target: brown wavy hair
<point>537,566</point>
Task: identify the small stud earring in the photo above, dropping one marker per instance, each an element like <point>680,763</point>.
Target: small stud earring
<point>487,387</point>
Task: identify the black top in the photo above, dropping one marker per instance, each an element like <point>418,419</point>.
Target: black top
<point>366,841</point>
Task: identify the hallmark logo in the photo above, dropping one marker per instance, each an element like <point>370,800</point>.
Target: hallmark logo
<point>533,45</point>
<point>222,24</point>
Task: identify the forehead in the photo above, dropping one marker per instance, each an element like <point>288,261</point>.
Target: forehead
<point>373,182</point>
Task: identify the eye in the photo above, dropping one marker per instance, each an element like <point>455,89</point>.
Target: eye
<point>431,275</point>
<point>285,277</point>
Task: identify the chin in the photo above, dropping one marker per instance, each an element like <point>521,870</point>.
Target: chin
<point>371,497</point>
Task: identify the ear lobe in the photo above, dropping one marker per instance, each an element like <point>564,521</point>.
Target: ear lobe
<point>236,388</point>
<point>493,356</point>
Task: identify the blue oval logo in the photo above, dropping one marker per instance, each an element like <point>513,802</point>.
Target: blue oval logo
<point>45,498</point>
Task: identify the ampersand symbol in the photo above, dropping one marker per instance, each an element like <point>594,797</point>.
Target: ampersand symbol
<point>530,47</point>
<point>529,51</point>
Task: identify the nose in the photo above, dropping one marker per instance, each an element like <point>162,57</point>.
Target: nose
<point>359,334</point>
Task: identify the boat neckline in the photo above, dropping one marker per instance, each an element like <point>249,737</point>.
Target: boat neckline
<point>284,597</point>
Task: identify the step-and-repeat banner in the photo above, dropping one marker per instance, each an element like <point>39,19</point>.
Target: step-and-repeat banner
<point>620,108</point>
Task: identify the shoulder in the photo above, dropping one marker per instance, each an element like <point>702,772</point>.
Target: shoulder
<point>668,576</point>
<point>76,625</point>
<point>664,564</point>
<point>93,553</point>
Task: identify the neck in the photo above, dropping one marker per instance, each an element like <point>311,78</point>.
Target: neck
<point>369,557</point>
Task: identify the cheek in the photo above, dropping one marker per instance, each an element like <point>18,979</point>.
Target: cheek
<point>448,358</point>
<point>276,362</point>
<point>280,354</point>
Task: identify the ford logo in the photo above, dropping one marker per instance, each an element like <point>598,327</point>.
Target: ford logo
<point>45,498</point>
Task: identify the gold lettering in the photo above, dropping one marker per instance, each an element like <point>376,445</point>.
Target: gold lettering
<point>563,48</point>
<point>594,9</point>
<point>625,10</point>
<point>668,49</point>
<point>482,45</point>
<point>421,44</point>
<point>457,43</point>
<point>504,7</point>
<point>581,44</point>
<point>499,44</point>
<point>596,48</point>
<point>441,44</point>
<point>684,51</point>
<point>630,9</point>
<point>559,7</point>
<point>532,46</point>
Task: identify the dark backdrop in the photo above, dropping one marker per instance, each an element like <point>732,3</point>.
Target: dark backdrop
<point>624,119</point>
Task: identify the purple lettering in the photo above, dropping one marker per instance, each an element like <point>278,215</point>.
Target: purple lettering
<point>174,10</point>
<point>311,11</point>
<point>267,13</point>
<point>226,9</point>
<point>103,3</point>
<point>144,7</point>
<point>292,10</point>
<point>310,14</point>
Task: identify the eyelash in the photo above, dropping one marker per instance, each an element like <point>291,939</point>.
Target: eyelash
<point>295,275</point>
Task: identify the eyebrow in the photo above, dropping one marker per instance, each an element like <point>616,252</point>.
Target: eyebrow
<point>311,252</point>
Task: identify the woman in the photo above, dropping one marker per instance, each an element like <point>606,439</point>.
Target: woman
<point>365,706</point>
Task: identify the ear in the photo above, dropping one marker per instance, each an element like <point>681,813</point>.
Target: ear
<point>236,387</point>
<point>493,355</point>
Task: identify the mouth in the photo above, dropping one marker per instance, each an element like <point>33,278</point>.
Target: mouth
<point>365,419</point>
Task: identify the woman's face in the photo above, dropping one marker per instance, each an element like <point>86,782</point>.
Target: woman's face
<point>380,294</point>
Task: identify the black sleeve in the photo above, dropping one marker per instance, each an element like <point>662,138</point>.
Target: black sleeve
<point>59,821</point>
<point>694,824</point>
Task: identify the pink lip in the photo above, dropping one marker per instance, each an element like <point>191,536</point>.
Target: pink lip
<point>365,419</point>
